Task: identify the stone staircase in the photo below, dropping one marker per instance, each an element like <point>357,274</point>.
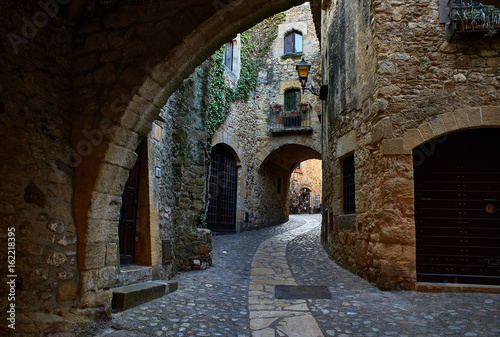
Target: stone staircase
<point>135,285</point>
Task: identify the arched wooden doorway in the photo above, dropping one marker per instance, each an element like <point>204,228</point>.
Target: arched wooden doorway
<point>221,213</point>
<point>457,208</point>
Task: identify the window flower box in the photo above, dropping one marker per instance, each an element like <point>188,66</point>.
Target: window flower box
<point>471,16</point>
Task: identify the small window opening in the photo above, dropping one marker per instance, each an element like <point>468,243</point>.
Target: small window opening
<point>349,185</point>
<point>228,55</point>
<point>293,43</point>
<point>292,100</point>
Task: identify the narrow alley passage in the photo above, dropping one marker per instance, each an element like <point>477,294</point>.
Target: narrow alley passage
<point>235,296</point>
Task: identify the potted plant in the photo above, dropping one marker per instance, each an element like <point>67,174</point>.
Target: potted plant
<point>470,16</point>
<point>291,118</point>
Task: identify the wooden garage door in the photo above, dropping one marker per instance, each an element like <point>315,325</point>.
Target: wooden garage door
<point>457,208</point>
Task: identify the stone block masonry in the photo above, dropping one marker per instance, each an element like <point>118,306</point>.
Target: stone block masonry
<point>179,191</point>
<point>36,188</point>
<point>417,86</point>
<point>265,158</point>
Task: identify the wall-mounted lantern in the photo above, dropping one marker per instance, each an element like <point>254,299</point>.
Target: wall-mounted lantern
<point>303,70</point>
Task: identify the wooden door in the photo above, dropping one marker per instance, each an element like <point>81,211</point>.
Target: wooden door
<point>128,214</point>
<point>457,209</point>
<point>221,213</point>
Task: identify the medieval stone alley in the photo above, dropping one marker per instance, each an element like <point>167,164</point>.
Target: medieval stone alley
<point>131,129</point>
<point>236,296</point>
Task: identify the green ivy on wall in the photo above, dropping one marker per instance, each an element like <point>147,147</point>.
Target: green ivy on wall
<point>255,44</point>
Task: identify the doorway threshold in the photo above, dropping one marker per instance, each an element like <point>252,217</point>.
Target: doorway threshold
<point>429,287</point>
<point>132,274</point>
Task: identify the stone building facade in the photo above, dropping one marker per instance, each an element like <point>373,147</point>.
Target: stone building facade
<point>80,86</point>
<point>403,96</point>
<point>306,187</point>
<point>267,150</point>
<point>171,189</point>
<point>82,82</point>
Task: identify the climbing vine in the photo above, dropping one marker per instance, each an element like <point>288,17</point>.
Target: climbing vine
<point>255,44</point>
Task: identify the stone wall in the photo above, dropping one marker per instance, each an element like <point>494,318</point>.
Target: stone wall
<point>265,158</point>
<point>78,92</point>
<point>36,192</point>
<point>182,156</point>
<point>408,84</point>
<point>171,189</point>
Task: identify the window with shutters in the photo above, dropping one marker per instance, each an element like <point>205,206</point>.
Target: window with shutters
<point>293,43</point>
<point>228,55</point>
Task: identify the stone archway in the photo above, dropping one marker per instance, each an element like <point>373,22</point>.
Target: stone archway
<point>456,180</point>
<point>434,128</point>
<point>467,118</point>
<point>422,142</point>
<point>391,206</point>
<point>309,145</point>
<point>271,191</point>
<point>122,81</point>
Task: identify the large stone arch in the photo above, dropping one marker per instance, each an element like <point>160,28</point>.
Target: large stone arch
<point>462,119</point>
<point>402,188</point>
<point>313,147</point>
<point>439,125</point>
<point>123,79</point>
<point>457,147</point>
<point>275,165</point>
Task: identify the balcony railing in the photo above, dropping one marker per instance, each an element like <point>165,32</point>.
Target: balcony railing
<point>296,119</point>
<point>474,17</point>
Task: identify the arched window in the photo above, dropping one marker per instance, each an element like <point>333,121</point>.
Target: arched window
<point>292,100</point>
<point>293,43</point>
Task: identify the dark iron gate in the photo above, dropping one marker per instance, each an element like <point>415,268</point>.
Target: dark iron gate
<point>221,214</point>
<point>457,208</point>
<point>128,213</point>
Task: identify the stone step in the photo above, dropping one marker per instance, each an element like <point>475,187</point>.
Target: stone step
<point>133,274</point>
<point>127,297</point>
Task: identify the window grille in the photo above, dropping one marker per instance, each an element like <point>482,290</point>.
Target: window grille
<point>349,185</point>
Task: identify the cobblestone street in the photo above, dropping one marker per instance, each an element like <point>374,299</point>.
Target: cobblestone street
<point>235,296</point>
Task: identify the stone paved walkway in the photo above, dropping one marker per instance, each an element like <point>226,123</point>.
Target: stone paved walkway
<point>270,317</point>
<point>234,297</point>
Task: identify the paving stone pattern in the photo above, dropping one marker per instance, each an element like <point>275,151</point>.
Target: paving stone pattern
<point>215,302</point>
<point>269,316</point>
